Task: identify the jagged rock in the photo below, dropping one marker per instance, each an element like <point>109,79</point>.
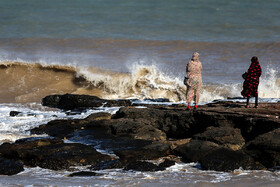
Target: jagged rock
<point>212,139</point>
<point>227,137</point>
<point>66,128</point>
<point>9,167</point>
<point>136,129</point>
<point>195,150</point>
<point>112,164</point>
<point>85,174</point>
<point>133,164</point>
<point>57,128</point>
<point>157,100</point>
<point>210,128</point>
<point>143,166</point>
<point>175,123</point>
<point>73,101</point>
<point>98,116</point>
<point>167,163</point>
<point>148,152</point>
<point>148,166</point>
<point>228,160</point>
<point>15,113</point>
<point>51,153</point>
<point>266,148</point>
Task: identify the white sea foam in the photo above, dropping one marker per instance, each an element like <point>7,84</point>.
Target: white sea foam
<point>13,128</point>
<point>270,84</point>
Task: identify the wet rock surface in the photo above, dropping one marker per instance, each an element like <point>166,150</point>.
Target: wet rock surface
<point>266,148</point>
<point>229,160</point>
<point>51,153</point>
<point>222,136</point>
<point>227,137</point>
<point>10,167</point>
<point>84,174</point>
<point>72,101</point>
<point>148,166</point>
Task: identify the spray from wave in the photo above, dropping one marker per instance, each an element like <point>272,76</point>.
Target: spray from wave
<point>143,82</point>
<point>270,84</point>
<point>30,82</point>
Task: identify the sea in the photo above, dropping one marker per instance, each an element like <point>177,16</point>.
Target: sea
<point>131,49</point>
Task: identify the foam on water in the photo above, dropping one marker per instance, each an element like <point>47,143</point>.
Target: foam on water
<point>32,115</point>
<point>270,84</point>
<point>178,175</point>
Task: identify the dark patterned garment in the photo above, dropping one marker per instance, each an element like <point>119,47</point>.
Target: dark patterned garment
<point>251,83</point>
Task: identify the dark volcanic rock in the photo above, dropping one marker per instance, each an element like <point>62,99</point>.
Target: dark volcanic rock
<point>51,153</point>
<point>167,163</point>
<point>112,164</point>
<point>266,148</point>
<point>174,123</point>
<point>100,125</point>
<point>14,113</point>
<point>9,167</point>
<point>148,166</point>
<point>84,174</point>
<point>98,116</point>
<point>157,100</point>
<point>228,160</point>
<point>148,152</point>
<point>57,128</point>
<point>72,101</point>
<point>143,166</point>
<point>210,128</point>
<point>178,123</point>
<point>227,137</point>
<point>195,150</point>
<point>66,128</point>
<point>136,129</point>
<point>210,140</point>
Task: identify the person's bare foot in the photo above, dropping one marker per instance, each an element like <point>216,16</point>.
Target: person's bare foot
<point>256,107</point>
<point>247,106</point>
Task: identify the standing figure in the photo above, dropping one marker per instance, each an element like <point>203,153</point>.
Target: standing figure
<point>251,83</point>
<point>194,81</point>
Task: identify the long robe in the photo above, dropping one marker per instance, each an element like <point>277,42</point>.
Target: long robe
<point>194,82</point>
<point>251,83</point>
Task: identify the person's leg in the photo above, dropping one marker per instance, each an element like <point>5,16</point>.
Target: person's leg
<point>189,96</point>
<point>197,95</point>
<point>195,98</point>
<point>247,103</point>
<point>256,102</point>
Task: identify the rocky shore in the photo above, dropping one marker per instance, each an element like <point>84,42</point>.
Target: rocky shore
<point>221,136</point>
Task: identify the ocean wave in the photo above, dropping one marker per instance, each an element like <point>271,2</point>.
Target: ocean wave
<point>29,82</point>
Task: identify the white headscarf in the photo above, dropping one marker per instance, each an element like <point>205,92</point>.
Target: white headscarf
<point>195,56</point>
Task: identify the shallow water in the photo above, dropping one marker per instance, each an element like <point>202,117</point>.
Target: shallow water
<point>178,175</point>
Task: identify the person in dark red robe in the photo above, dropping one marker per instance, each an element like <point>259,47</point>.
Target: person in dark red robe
<point>251,83</point>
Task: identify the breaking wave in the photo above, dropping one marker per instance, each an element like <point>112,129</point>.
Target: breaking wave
<point>30,82</point>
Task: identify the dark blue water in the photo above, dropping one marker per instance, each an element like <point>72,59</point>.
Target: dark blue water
<point>188,20</point>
